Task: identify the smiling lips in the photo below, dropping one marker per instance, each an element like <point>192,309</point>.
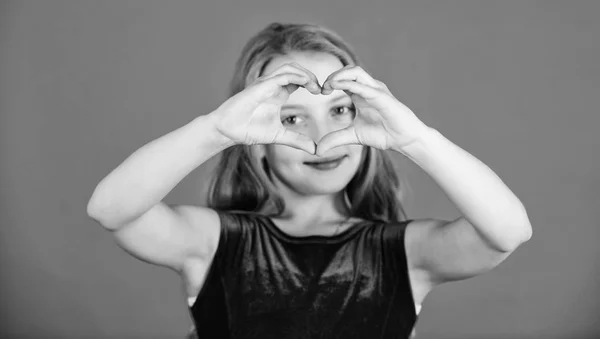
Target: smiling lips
<point>326,164</point>
<point>327,160</point>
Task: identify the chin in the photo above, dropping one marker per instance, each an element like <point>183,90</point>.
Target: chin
<point>322,187</point>
<point>324,190</point>
<point>308,181</point>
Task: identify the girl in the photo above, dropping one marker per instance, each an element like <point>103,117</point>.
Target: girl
<point>304,235</point>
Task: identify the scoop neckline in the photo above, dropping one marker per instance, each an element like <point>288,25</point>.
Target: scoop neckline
<point>314,238</point>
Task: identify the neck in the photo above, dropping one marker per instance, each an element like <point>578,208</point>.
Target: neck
<point>323,209</point>
<point>310,211</point>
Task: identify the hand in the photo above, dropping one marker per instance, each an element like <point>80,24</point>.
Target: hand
<point>381,121</point>
<point>252,116</point>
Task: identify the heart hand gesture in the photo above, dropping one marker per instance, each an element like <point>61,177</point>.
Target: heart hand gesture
<point>381,120</point>
<point>252,116</point>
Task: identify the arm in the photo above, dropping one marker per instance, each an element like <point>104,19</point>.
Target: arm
<point>493,222</point>
<point>152,171</point>
<point>128,200</point>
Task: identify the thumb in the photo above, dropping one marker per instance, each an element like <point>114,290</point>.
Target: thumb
<point>296,140</point>
<point>346,136</point>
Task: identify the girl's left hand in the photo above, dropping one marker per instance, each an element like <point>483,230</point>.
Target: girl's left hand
<point>381,120</point>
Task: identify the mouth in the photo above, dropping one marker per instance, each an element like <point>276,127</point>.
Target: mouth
<point>326,163</point>
<point>325,160</point>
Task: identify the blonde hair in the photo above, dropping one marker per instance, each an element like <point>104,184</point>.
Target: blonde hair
<point>242,180</point>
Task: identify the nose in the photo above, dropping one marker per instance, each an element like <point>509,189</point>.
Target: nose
<point>322,127</point>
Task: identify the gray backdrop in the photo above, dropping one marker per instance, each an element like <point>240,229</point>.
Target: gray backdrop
<point>83,84</point>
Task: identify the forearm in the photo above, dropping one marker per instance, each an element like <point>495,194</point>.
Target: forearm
<point>479,194</point>
<point>152,171</point>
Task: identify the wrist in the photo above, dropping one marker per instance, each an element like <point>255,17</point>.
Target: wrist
<point>421,143</point>
<point>210,125</point>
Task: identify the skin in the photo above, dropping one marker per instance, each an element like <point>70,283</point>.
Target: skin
<point>185,237</point>
<point>302,187</point>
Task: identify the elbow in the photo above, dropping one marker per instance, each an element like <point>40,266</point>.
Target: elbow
<point>94,207</point>
<point>99,212</point>
<point>524,236</point>
<point>111,216</point>
<point>95,213</point>
<point>525,228</point>
<point>527,233</point>
<point>519,235</point>
<point>106,222</point>
<point>521,230</point>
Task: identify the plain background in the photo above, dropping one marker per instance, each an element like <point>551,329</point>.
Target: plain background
<point>83,84</point>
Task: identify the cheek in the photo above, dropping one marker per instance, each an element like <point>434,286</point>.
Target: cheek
<point>358,151</point>
<point>281,155</point>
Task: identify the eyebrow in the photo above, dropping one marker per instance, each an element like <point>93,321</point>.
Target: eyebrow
<point>332,100</point>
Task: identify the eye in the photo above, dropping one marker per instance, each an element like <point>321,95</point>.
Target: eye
<point>292,119</point>
<point>344,109</point>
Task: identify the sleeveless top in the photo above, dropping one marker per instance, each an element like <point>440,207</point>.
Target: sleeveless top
<point>264,283</point>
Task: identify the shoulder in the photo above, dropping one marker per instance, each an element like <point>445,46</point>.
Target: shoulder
<point>239,224</point>
<point>417,234</point>
<point>395,229</point>
<point>237,218</point>
<point>406,239</point>
<point>392,235</point>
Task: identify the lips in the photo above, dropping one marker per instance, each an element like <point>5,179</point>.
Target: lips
<point>325,160</point>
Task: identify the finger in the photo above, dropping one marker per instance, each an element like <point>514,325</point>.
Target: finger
<point>291,81</point>
<point>350,73</point>
<point>312,85</point>
<point>267,87</point>
<point>311,75</point>
<point>295,140</point>
<point>367,92</point>
<point>346,136</point>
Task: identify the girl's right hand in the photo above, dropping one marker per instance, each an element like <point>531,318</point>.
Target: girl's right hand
<point>252,116</point>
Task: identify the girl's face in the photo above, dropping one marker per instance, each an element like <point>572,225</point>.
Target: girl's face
<point>314,116</point>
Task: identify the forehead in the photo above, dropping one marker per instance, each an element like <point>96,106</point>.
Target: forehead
<point>321,64</point>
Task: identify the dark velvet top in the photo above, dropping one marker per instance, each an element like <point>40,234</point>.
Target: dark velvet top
<point>264,283</point>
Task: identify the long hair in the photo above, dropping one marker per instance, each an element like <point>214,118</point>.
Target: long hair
<point>242,180</point>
